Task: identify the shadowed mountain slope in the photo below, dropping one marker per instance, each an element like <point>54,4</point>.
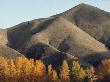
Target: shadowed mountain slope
<point>53,35</point>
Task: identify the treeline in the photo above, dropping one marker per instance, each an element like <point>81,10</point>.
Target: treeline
<point>29,70</point>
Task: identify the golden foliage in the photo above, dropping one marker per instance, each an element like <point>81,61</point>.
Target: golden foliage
<point>104,70</point>
<point>77,73</point>
<point>64,75</point>
<point>52,75</point>
<point>29,70</point>
<point>39,71</point>
<point>90,72</point>
<point>22,70</point>
<point>82,74</point>
<point>104,67</point>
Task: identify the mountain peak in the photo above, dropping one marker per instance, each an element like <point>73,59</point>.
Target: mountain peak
<point>83,5</point>
<point>78,8</point>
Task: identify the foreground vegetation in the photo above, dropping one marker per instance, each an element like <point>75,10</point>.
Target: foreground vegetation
<point>29,70</point>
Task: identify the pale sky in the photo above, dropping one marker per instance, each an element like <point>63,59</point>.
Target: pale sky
<point>16,11</point>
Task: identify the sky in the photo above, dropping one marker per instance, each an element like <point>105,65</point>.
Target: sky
<point>13,12</point>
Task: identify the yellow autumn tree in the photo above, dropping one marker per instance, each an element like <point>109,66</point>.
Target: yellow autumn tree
<point>82,74</point>
<point>104,67</point>
<point>104,70</point>
<point>77,73</point>
<point>12,71</point>
<point>64,72</point>
<point>27,68</point>
<point>91,76</point>
<point>39,71</point>
<point>54,76</point>
<point>50,73</point>
<point>19,62</point>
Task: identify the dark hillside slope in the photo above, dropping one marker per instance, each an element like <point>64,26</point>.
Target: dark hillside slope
<point>17,35</point>
<point>59,33</point>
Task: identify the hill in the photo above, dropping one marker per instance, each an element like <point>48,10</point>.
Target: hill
<point>79,33</point>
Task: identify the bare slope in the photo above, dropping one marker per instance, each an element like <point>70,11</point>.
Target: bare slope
<point>17,35</point>
<point>92,20</point>
<point>63,36</point>
<point>9,53</point>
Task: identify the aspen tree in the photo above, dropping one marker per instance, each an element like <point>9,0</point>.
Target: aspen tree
<point>64,75</point>
<point>50,73</point>
<point>4,69</point>
<point>104,70</point>
<point>104,67</point>
<point>13,72</point>
<point>90,72</point>
<point>39,71</point>
<point>54,76</point>
<point>19,62</point>
<point>77,74</point>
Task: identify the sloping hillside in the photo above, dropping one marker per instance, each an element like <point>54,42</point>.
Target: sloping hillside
<point>9,53</point>
<point>92,20</point>
<point>53,35</point>
<point>79,33</point>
